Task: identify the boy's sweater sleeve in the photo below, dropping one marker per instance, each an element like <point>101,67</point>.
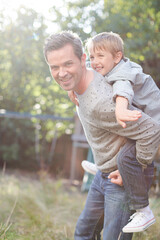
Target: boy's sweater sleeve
<point>123,80</point>
<point>123,88</point>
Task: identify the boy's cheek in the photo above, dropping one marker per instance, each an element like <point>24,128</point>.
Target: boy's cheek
<point>92,66</point>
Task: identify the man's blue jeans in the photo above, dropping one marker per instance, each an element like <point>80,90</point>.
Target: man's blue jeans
<point>110,199</point>
<point>136,179</point>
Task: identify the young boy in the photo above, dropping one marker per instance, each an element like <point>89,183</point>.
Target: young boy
<point>130,85</point>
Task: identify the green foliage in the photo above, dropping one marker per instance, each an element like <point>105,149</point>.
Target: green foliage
<point>82,17</point>
<point>139,30</point>
<point>24,77</point>
<point>16,143</point>
<point>137,21</point>
<point>26,86</point>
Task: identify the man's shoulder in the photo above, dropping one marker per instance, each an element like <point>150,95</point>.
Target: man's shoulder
<point>100,80</point>
<point>97,90</point>
<point>97,74</point>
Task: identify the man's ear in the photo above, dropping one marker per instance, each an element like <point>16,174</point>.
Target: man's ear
<point>118,57</point>
<point>83,59</point>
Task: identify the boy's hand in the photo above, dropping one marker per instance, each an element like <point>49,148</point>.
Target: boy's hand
<point>116,178</point>
<point>126,115</point>
<point>73,98</point>
<point>123,114</point>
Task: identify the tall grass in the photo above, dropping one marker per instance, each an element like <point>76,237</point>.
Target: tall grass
<point>152,233</point>
<point>40,208</point>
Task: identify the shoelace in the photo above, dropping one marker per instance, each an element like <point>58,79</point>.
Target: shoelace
<point>135,214</point>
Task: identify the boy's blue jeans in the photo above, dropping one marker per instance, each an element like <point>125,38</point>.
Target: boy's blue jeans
<point>136,179</point>
<point>112,200</point>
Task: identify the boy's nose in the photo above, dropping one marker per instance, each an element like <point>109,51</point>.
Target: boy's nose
<point>95,61</point>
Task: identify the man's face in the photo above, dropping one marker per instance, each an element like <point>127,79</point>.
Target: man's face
<point>66,68</point>
<point>102,61</point>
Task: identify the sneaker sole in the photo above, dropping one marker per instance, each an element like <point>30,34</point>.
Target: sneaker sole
<point>88,169</point>
<point>139,229</point>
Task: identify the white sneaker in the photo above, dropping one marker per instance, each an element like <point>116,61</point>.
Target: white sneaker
<point>139,221</point>
<point>89,167</point>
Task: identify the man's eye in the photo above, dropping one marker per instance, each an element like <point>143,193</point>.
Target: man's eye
<point>68,64</point>
<point>54,68</point>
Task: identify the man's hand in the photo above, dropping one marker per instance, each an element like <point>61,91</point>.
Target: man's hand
<point>73,98</point>
<point>116,178</point>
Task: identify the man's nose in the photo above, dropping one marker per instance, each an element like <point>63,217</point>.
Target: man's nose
<point>62,72</point>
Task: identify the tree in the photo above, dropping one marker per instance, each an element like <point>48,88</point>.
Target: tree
<point>137,21</point>
<point>27,87</point>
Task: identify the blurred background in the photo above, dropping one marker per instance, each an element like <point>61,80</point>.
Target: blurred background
<point>42,184</point>
<point>37,119</point>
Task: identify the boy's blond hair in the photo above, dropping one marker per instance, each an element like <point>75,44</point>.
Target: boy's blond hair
<point>109,41</point>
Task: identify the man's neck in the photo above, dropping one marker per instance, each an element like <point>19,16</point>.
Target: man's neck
<point>87,78</point>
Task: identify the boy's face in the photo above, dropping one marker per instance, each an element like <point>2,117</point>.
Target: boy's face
<point>103,61</point>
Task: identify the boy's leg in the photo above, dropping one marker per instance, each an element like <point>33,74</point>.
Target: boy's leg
<point>137,182</point>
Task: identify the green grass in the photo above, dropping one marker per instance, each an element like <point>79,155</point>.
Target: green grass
<point>41,208</point>
<point>152,233</point>
<point>38,209</point>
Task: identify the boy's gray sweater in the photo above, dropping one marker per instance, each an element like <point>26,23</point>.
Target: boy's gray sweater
<point>129,81</point>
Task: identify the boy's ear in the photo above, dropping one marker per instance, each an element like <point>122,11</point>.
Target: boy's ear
<point>118,57</point>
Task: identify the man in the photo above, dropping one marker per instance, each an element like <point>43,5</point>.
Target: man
<point>66,60</point>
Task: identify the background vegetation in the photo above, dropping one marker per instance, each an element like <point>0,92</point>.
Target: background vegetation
<point>26,85</point>
<point>36,207</point>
